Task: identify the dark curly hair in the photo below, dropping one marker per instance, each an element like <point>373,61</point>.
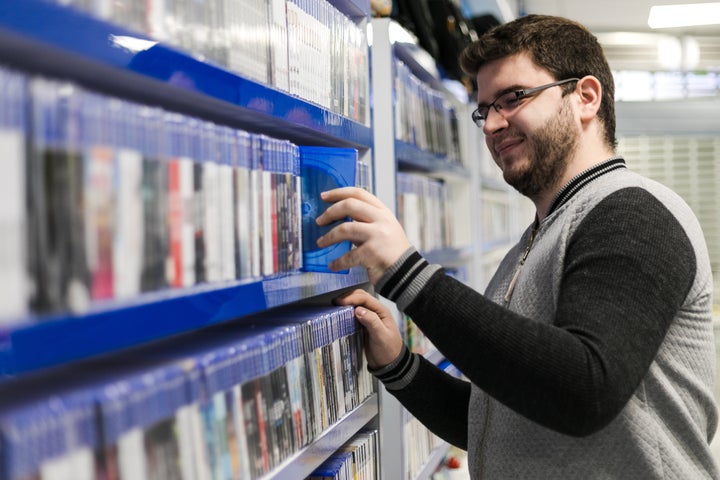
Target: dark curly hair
<point>561,46</point>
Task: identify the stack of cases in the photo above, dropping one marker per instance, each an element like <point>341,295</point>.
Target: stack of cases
<point>93,180</point>
<point>422,210</point>
<point>357,459</point>
<point>14,289</point>
<point>288,44</point>
<point>423,116</point>
<point>230,403</point>
<point>110,178</point>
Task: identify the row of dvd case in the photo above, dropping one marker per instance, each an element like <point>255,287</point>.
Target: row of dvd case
<point>357,459</point>
<point>304,47</point>
<point>230,402</point>
<point>108,199</point>
<point>423,116</point>
<point>422,204</point>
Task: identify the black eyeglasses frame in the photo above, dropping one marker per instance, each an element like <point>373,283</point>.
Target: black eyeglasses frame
<point>479,118</point>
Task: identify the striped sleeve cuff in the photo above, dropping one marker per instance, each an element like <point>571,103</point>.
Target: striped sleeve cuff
<point>400,372</point>
<point>405,278</point>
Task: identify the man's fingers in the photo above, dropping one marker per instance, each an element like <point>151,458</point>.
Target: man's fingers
<point>358,297</point>
<point>354,208</point>
<point>382,338</point>
<point>353,231</point>
<point>369,320</point>
<point>338,194</point>
<point>361,298</point>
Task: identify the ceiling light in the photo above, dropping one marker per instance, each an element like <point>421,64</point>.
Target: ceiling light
<point>669,51</point>
<point>690,14</point>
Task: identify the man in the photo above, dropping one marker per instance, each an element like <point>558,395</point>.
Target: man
<point>591,353</point>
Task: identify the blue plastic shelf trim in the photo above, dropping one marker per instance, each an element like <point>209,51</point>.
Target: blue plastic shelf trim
<point>449,256</point>
<point>413,158</point>
<point>353,8</point>
<point>38,35</point>
<point>60,340</point>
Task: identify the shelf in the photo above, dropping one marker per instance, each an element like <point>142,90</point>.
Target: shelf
<point>412,158</point>
<point>494,244</point>
<point>494,184</point>
<point>309,458</point>
<point>112,326</point>
<point>434,356</point>
<point>353,8</point>
<point>449,257</point>
<point>53,40</point>
<point>432,462</point>
<point>420,62</point>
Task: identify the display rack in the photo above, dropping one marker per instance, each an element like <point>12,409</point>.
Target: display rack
<point>58,42</point>
<point>409,157</point>
<point>43,38</point>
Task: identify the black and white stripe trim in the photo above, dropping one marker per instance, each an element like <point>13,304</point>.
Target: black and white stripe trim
<point>398,374</point>
<point>404,280</point>
<point>582,179</point>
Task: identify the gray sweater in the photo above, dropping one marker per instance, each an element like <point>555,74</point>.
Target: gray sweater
<point>598,362</point>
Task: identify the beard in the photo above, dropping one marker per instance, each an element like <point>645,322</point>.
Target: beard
<point>549,150</point>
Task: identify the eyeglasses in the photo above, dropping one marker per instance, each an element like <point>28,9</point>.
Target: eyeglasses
<point>511,100</point>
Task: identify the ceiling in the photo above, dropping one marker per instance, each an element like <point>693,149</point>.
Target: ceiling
<point>609,15</point>
<point>691,49</point>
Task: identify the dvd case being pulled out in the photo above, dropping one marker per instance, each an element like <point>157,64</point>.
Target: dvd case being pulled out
<point>322,169</point>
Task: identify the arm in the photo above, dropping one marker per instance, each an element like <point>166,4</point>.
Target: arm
<point>437,399</point>
<point>628,269</point>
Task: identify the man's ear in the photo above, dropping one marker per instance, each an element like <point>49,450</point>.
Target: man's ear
<point>589,90</point>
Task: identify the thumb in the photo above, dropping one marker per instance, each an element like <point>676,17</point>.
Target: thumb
<point>372,322</point>
<point>383,342</point>
<point>367,318</point>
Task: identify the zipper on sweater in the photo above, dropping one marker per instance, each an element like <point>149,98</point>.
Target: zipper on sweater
<point>513,281</point>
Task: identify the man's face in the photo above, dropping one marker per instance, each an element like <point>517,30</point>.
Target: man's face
<point>533,143</point>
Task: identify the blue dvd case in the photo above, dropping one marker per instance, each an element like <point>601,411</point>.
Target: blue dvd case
<point>323,168</point>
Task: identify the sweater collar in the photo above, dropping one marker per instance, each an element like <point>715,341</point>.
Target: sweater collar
<point>579,181</point>
<point>583,178</point>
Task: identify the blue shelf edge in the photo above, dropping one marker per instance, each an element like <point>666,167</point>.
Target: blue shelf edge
<point>449,256</point>
<point>433,461</point>
<point>434,356</point>
<point>116,325</point>
<point>50,39</point>
<point>353,8</point>
<point>411,157</point>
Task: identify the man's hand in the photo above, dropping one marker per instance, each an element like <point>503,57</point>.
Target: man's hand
<point>383,343</point>
<point>377,235</point>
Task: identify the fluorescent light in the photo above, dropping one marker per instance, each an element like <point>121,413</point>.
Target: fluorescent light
<point>669,52</point>
<point>690,14</point>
